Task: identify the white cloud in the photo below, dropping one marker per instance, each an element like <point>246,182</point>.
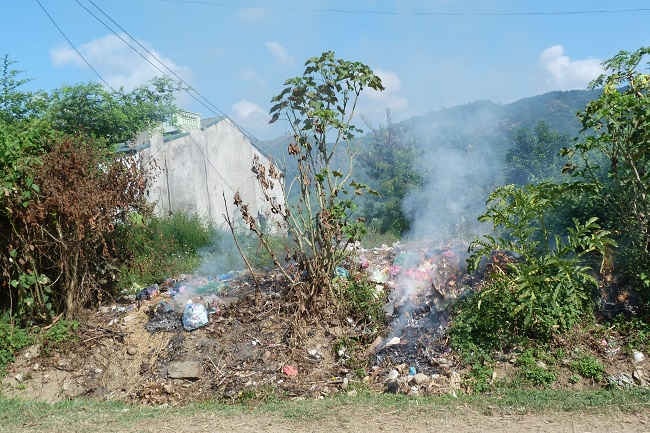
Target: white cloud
<point>251,15</point>
<point>249,74</point>
<point>252,117</point>
<point>279,52</point>
<point>373,104</point>
<point>116,62</point>
<point>564,73</point>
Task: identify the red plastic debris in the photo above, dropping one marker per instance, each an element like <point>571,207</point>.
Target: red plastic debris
<point>290,370</point>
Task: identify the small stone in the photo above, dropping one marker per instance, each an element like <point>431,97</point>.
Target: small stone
<point>542,365</point>
<point>637,356</point>
<point>184,370</point>
<point>345,383</point>
<point>131,350</point>
<point>392,375</point>
<point>266,356</point>
<point>36,366</point>
<point>32,351</point>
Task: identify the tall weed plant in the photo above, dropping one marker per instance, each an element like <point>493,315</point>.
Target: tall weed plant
<point>548,284</point>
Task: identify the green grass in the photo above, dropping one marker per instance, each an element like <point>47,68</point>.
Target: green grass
<point>15,413</point>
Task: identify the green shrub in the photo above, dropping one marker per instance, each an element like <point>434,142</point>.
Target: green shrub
<point>480,378</point>
<point>160,247</point>
<point>12,339</point>
<point>361,300</point>
<point>531,372</point>
<point>589,367</point>
<point>548,286</point>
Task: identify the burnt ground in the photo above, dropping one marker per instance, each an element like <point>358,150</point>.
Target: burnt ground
<point>139,351</point>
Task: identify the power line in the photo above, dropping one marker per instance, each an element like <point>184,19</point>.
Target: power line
<point>191,91</point>
<point>431,12</point>
<point>144,57</point>
<point>72,45</point>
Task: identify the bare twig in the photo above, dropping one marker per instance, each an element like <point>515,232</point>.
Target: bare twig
<point>226,217</point>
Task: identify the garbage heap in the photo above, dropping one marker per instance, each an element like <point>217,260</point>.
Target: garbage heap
<point>423,281</point>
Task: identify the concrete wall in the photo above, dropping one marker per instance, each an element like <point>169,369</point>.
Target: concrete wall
<point>193,171</point>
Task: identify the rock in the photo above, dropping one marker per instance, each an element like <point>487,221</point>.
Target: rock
<point>131,350</point>
<point>420,379</point>
<point>32,351</point>
<point>266,356</point>
<point>637,356</point>
<point>184,370</point>
<point>392,375</point>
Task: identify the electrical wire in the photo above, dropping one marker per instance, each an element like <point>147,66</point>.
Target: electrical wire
<point>72,45</point>
<point>430,12</point>
<point>188,88</point>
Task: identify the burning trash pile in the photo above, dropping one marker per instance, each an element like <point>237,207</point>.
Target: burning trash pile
<point>191,300</point>
<point>423,282</point>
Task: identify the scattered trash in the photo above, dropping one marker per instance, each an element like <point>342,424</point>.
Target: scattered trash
<point>341,272</point>
<point>412,371</point>
<point>290,370</point>
<point>392,375</point>
<point>194,316</point>
<point>163,317</point>
<point>637,356</point>
<point>147,293</point>
<point>622,380</point>
<point>393,341</point>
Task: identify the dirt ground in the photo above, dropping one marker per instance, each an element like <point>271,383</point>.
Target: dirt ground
<point>353,419</point>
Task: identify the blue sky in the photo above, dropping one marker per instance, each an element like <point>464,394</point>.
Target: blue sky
<point>239,53</point>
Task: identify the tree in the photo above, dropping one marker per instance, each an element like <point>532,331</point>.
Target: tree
<point>63,190</point>
<point>115,116</point>
<point>535,155</point>
<point>389,161</point>
<point>319,107</point>
<point>614,156</point>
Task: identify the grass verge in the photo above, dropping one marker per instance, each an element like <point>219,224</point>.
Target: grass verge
<point>79,413</point>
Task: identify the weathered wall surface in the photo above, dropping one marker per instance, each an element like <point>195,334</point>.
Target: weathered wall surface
<point>194,170</point>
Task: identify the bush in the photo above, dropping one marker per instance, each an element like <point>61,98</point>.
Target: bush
<point>159,247</point>
<point>589,367</point>
<point>12,339</point>
<point>362,301</point>
<point>533,373</point>
<point>548,286</point>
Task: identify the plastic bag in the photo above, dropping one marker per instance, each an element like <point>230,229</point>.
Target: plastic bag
<point>194,316</point>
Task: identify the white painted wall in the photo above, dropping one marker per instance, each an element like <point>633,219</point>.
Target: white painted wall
<point>193,171</point>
